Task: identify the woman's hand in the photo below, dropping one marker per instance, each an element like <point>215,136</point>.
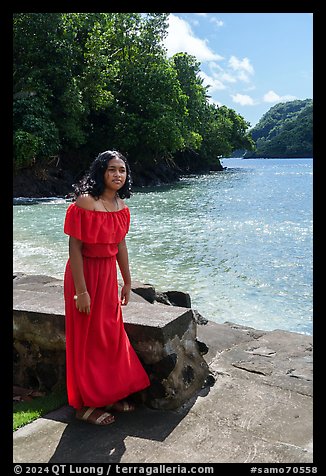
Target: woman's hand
<point>125,294</point>
<point>83,303</point>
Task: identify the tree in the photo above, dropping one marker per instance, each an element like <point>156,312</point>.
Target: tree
<point>85,82</point>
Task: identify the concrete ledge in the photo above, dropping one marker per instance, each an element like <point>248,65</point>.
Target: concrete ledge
<point>260,410</point>
<point>275,358</point>
<point>164,338</point>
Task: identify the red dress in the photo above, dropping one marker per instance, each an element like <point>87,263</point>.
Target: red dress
<point>102,367</point>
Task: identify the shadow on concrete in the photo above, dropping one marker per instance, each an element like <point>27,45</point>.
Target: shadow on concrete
<point>81,442</point>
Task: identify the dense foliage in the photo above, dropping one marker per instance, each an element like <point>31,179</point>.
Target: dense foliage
<point>286,130</point>
<point>88,82</point>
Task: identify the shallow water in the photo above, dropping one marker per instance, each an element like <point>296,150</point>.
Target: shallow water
<point>239,241</point>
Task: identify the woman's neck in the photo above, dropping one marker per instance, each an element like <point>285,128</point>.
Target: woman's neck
<point>109,195</point>
<point>110,201</point>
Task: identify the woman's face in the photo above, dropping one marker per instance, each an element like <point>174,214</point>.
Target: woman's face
<point>116,174</point>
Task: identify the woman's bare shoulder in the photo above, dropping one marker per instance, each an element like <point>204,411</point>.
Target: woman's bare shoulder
<point>86,201</point>
<point>121,203</point>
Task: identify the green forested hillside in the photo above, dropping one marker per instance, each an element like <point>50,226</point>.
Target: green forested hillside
<point>88,82</point>
<point>286,130</point>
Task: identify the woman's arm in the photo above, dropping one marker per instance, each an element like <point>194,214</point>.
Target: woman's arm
<point>83,301</point>
<point>123,262</point>
<point>76,260</point>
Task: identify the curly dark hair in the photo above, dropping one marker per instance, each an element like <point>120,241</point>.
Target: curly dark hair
<point>93,181</point>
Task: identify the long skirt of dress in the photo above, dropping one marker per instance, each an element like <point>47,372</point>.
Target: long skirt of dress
<point>102,366</point>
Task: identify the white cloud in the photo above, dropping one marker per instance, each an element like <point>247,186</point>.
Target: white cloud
<point>213,65</point>
<point>236,70</point>
<point>242,99</point>
<point>216,21</point>
<point>181,38</point>
<point>219,73</point>
<point>214,83</point>
<point>242,65</point>
<point>272,96</point>
<point>227,78</point>
<point>243,68</point>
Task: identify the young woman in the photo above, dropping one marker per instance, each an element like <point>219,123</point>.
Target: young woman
<point>102,367</point>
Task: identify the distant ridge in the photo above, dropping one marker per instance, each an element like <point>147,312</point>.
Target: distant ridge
<point>286,130</point>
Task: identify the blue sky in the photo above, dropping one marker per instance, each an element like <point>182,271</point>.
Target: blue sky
<point>251,60</point>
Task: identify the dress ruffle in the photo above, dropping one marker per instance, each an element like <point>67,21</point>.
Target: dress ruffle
<point>92,226</point>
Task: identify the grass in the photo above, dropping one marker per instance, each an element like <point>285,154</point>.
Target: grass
<point>28,411</point>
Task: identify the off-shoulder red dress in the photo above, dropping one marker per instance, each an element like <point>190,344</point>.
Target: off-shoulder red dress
<point>102,366</point>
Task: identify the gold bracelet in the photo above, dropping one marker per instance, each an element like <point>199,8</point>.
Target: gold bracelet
<point>77,295</point>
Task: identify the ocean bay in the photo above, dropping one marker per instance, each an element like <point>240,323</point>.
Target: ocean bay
<point>239,241</point>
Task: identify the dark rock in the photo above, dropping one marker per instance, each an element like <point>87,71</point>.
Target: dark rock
<point>188,374</point>
<point>57,177</point>
<point>158,174</point>
<point>210,381</point>
<point>179,298</point>
<point>147,291</point>
<point>42,182</point>
<point>202,347</point>
<point>162,298</point>
<point>156,390</point>
<point>199,318</point>
<point>163,367</point>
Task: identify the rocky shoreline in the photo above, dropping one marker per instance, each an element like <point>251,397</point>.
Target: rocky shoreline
<point>56,181</point>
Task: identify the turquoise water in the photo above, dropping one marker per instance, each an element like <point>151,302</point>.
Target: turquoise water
<point>239,241</point>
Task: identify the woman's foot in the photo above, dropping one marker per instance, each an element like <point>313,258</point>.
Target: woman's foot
<point>121,406</point>
<point>96,416</point>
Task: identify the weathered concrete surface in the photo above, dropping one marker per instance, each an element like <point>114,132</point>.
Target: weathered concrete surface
<point>164,338</point>
<point>258,411</point>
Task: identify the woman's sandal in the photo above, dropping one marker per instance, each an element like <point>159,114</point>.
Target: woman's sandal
<point>99,420</point>
<point>121,406</point>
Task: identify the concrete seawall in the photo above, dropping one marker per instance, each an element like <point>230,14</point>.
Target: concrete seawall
<point>258,410</point>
